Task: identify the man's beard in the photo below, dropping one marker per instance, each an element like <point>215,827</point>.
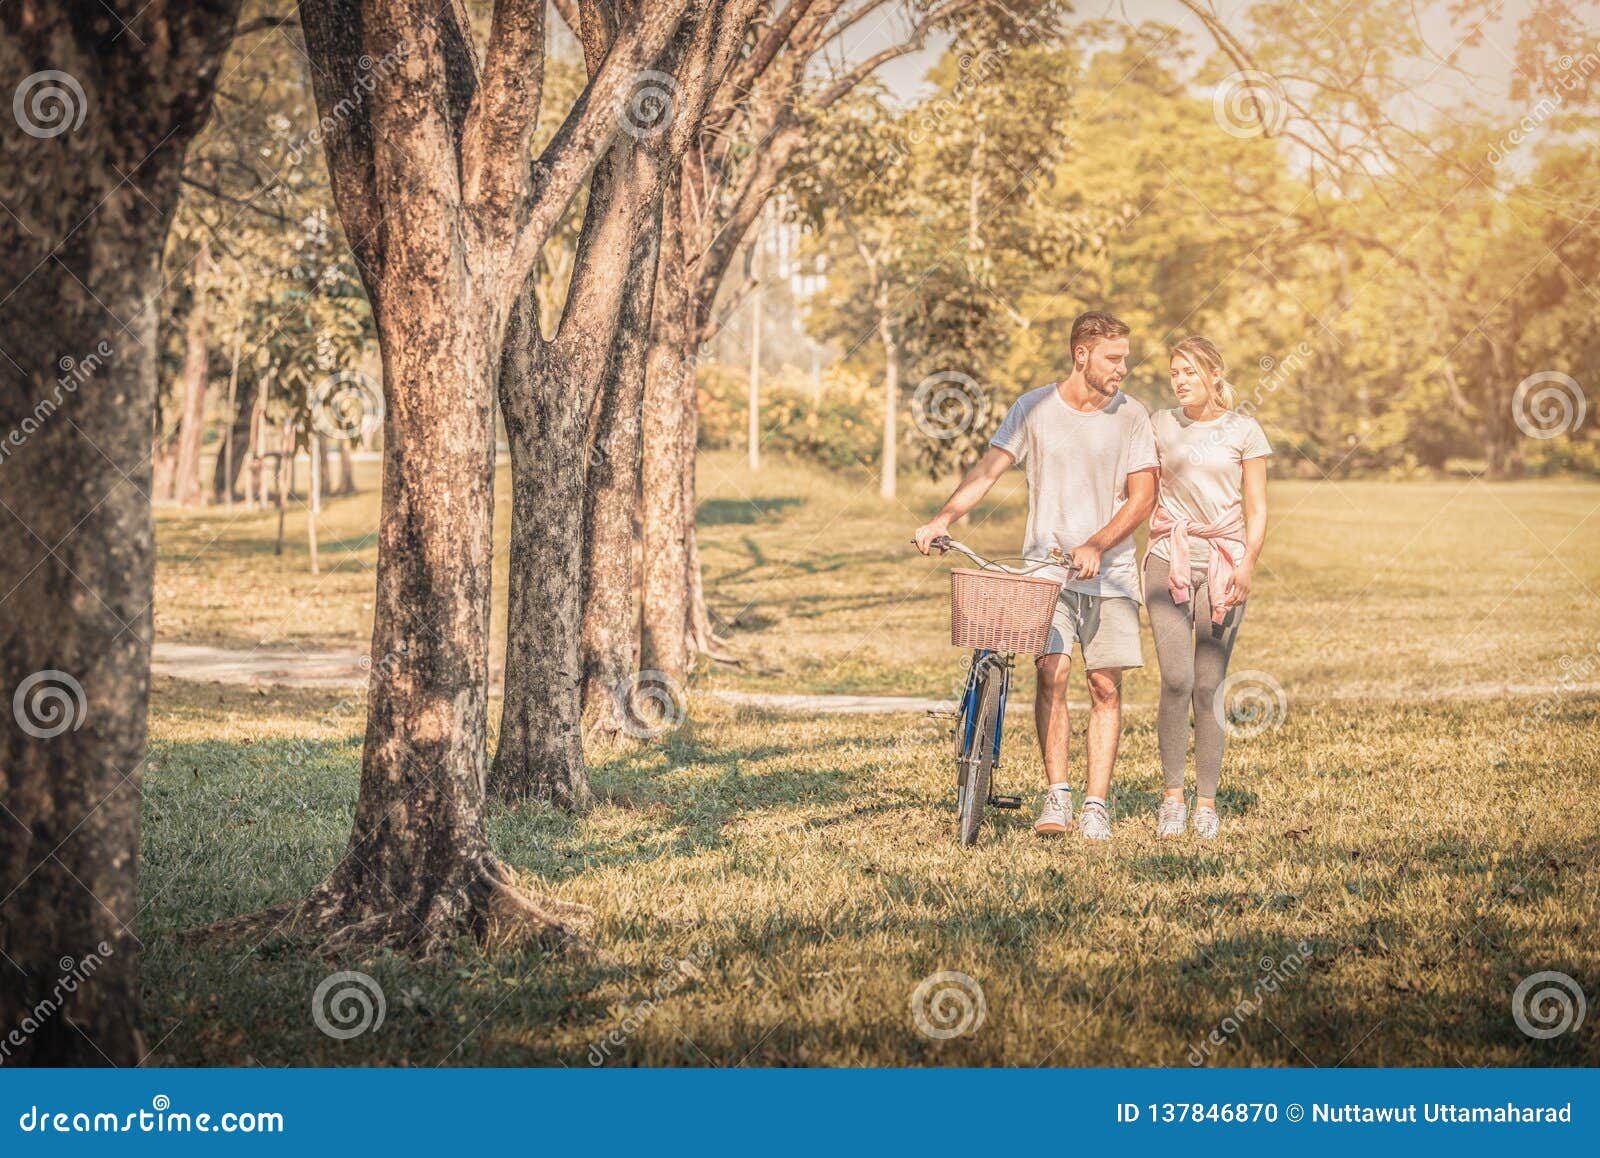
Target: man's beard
<point>1100,383</point>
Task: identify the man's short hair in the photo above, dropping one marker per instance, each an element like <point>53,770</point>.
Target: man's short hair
<point>1094,327</point>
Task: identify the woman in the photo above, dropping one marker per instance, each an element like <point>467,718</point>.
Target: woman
<point>1205,537</point>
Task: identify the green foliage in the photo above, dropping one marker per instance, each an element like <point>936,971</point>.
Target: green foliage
<point>834,422</point>
<point>1379,293</point>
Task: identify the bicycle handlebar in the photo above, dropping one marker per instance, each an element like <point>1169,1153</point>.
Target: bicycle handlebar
<point>945,543</point>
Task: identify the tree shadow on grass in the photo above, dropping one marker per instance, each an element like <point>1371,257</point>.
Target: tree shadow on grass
<point>690,816</point>
<point>737,512</point>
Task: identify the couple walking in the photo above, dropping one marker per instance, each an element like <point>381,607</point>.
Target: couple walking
<point>1098,465</point>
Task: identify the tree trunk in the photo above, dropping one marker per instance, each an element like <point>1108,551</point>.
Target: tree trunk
<point>610,614</point>
<point>753,417</point>
<point>164,466</point>
<point>347,469</point>
<point>319,460</point>
<point>540,754</point>
<point>255,481</point>
<point>444,217</point>
<point>669,384</point>
<point>891,396</point>
<point>78,297</point>
<point>196,373</point>
<point>235,448</point>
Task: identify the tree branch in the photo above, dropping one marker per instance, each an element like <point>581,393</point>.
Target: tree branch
<point>585,135</point>
<point>505,112</point>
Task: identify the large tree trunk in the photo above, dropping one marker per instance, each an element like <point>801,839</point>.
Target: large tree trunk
<point>611,619</point>
<point>549,393</point>
<point>669,386</point>
<point>195,377</point>
<point>444,216</point>
<point>89,196</point>
<point>541,750</point>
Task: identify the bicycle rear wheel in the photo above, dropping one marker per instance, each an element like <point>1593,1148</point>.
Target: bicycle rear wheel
<point>976,763</point>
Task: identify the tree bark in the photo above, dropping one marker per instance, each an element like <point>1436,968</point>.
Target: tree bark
<point>195,377</point>
<point>549,392</point>
<point>347,469</point>
<point>540,754</point>
<point>753,415</point>
<point>235,448</point>
<point>891,395</point>
<point>669,382</point>
<point>611,618</point>
<point>88,213</point>
<point>445,217</point>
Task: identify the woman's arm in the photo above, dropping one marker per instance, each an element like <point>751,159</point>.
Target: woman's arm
<point>1255,529</point>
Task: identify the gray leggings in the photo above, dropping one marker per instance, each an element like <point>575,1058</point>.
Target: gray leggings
<point>1193,653</point>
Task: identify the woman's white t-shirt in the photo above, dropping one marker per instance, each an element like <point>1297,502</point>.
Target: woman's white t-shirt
<point>1202,469</point>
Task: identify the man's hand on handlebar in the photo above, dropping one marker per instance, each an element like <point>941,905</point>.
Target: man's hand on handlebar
<point>928,532</point>
<point>1086,561</point>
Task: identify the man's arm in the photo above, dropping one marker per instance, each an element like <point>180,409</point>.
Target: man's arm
<point>983,475</point>
<point>1141,501</point>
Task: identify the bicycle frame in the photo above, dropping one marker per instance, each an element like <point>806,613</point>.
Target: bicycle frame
<point>987,665</point>
<point>969,698</point>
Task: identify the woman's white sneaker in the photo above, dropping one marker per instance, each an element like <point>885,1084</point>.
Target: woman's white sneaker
<point>1095,824</point>
<point>1171,818</point>
<point>1206,822</point>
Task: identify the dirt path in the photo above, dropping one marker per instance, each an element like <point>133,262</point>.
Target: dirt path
<point>291,667</point>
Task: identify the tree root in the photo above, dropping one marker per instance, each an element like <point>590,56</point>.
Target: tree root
<point>493,906</point>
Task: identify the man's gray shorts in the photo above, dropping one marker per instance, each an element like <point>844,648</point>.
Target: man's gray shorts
<point>1106,628</point>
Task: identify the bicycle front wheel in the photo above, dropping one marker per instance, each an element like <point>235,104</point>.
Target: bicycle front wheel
<point>977,762</point>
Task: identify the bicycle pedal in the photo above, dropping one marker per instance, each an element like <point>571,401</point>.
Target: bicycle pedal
<point>942,714</point>
<point>999,801</point>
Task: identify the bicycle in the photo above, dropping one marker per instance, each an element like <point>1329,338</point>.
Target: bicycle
<point>999,612</point>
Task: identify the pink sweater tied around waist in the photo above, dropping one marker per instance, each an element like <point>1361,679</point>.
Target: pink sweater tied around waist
<point>1224,537</point>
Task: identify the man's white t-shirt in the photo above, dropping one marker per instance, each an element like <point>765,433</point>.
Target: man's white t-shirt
<point>1202,471</point>
<point>1078,463</point>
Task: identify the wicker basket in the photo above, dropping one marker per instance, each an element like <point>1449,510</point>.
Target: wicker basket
<point>1001,612</point>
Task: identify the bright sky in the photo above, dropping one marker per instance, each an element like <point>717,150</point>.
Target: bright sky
<point>1488,65</point>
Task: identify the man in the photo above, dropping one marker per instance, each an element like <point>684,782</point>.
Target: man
<point>1090,459</point>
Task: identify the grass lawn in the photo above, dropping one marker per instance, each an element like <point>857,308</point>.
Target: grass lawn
<point>773,889</point>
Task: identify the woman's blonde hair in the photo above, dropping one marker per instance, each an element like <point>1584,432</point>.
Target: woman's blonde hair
<point>1204,356</point>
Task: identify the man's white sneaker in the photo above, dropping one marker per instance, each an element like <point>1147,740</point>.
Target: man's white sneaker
<point>1096,825</point>
<point>1056,816</point>
<point>1170,818</point>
